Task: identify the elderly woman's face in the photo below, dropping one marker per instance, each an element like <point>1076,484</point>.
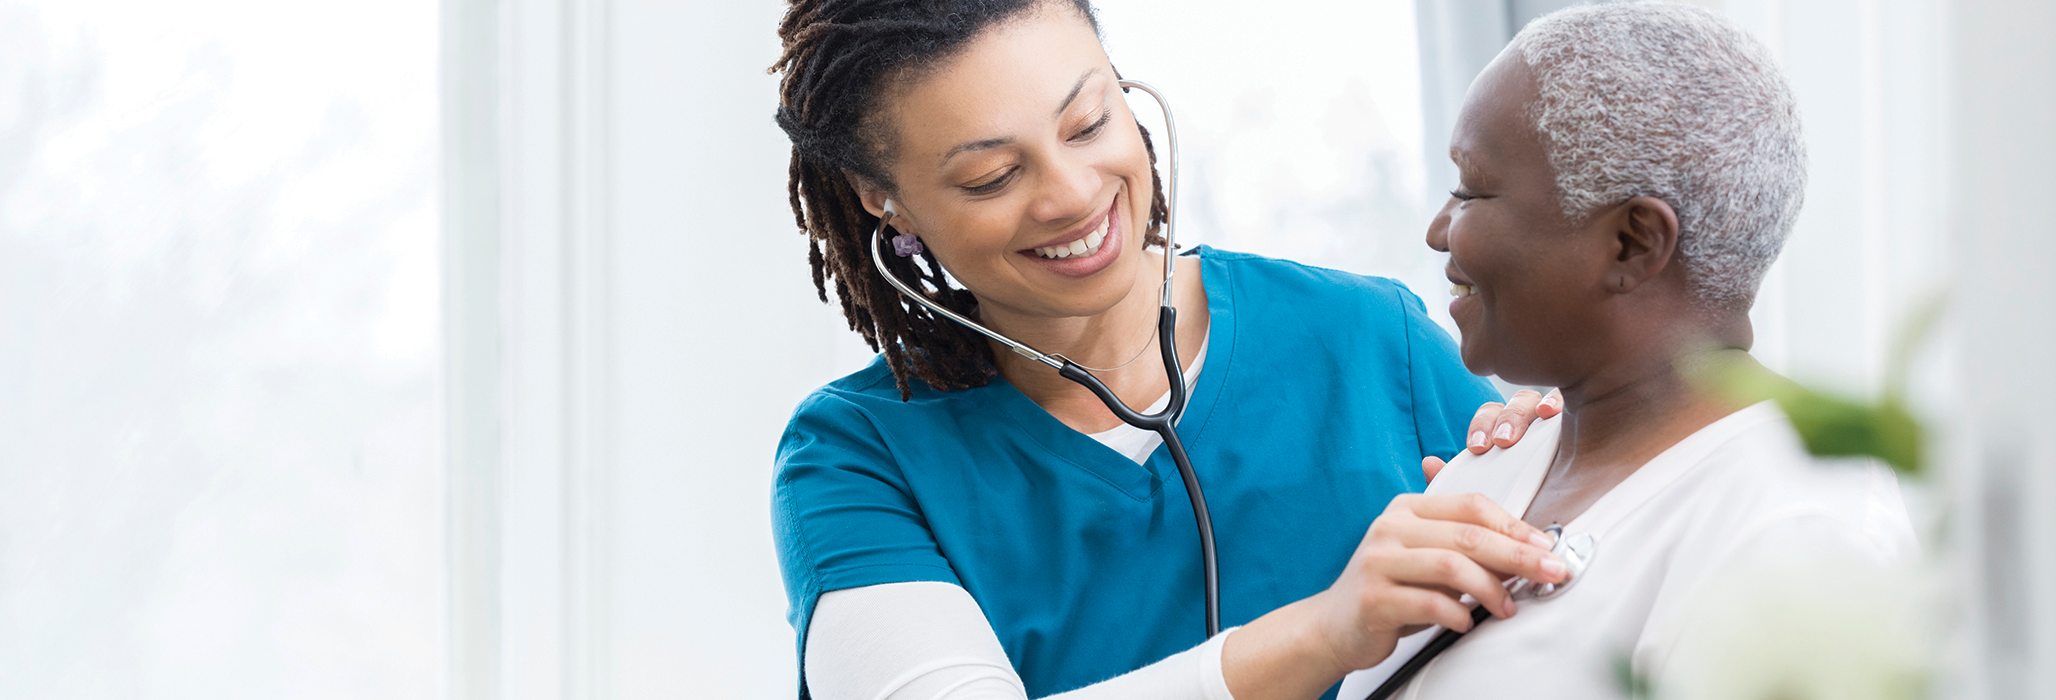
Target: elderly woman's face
<point>1021,168</point>
<point>1527,279</point>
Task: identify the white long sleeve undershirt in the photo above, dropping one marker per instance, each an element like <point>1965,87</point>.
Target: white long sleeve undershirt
<point>930,641</point>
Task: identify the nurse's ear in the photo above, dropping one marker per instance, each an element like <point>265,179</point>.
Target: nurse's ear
<point>1644,233</point>
<point>876,200</point>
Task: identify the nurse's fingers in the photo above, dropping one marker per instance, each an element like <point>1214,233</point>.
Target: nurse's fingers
<point>1551,406</point>
<point>1512,422</point>
<point>1445,570</point>
<point>1473,508</point>
<point>1480,435</point>
<point>1485,548</point>
<point>1432,465</point>
<point>1401,607</point>
<point>1473,525</point>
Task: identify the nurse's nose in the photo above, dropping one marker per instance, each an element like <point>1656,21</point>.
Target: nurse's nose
<point>1069,191</point>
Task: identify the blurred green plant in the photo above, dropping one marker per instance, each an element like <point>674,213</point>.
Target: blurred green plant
<point>1633,685</point>
<point>1840,426</point>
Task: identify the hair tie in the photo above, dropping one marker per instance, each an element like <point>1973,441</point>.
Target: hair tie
<point>906,245</point>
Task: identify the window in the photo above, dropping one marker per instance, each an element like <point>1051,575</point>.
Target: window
<point>218,401</point>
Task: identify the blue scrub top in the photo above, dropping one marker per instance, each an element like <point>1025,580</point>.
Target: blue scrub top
<point>1322,391</point>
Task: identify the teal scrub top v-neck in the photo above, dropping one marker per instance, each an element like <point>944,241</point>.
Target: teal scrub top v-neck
<point>1322,390</point>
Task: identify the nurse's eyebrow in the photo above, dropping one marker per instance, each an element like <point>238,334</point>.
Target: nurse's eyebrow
<point>1075,89</point>
<point>981,145</point>
<point>974,146</point>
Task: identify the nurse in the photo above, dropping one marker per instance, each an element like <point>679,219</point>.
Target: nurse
<point>1618,259</point>
<point>955,522</point>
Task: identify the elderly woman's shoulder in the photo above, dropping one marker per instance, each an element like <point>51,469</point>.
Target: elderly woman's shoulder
<point>1776,490</point>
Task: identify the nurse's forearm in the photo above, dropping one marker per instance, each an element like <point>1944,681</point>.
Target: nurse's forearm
<point>1282,656</point>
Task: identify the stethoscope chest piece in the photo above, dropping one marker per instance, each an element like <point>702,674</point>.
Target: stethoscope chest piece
<point>1575,551</point>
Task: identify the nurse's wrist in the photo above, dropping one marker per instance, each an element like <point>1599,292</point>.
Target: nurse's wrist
<point>1288,654</point>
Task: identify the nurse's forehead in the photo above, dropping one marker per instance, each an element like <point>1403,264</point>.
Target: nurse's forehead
<point>994,142</point>
<point>1020,76</point>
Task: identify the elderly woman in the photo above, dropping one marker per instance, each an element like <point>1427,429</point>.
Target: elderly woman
<point>1628,173</point>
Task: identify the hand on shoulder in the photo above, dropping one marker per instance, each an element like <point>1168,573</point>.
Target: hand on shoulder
<point>1502,425</point>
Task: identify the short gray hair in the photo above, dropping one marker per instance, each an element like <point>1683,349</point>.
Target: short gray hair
<point>1677,103</point>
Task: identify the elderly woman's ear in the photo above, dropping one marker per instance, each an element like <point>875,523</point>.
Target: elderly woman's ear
<point>1645,231</point>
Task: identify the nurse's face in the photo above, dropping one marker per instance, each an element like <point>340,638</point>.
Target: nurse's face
<point>1019,165</point>
<point>1529,281</point>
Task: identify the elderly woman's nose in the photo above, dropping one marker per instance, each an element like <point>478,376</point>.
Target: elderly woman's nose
<point>1069,189</point>
<point>1438,231</point>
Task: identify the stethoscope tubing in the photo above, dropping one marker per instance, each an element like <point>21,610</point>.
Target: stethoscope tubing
<point>1164,423</point>
<point>1442,642</point>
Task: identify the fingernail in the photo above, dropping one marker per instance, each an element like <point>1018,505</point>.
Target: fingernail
<point>1478,439</point>
<point>1553,566</point>
<point>1540,540</point>
<point>1505,431</point>
<point>1510,607</point>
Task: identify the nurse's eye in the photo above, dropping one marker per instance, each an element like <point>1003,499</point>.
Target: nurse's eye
<point>995,184</point>
<point>1097,126</point>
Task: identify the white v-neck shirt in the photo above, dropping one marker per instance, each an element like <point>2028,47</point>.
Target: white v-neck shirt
<point>1138,444</point>
<point>1740,485</point>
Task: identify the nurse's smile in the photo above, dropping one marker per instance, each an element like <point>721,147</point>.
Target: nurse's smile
<point>1081,253</point>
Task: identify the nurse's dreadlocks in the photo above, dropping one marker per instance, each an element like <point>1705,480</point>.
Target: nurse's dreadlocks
<point>840,57</point>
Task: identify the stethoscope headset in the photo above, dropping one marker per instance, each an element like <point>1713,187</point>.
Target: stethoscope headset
<point>1163,423</point>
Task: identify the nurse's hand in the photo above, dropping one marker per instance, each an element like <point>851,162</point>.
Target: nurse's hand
<point>1502,425</point>
<point>1415,563</point>
<point>1418,560</point>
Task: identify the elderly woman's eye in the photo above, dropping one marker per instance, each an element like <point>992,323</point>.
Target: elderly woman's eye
<point>1462,194</point>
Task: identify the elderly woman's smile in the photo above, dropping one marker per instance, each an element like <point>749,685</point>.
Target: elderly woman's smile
<point>1523,274</point>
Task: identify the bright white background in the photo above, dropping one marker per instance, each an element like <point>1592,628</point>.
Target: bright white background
<point>219,438</point>
<point>230,402</point>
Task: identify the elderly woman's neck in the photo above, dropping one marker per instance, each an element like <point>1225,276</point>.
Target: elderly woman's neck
<point>1635,410</point>
<point>1618,419</point>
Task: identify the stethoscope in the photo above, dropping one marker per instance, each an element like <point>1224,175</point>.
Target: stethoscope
<point>1164,422</point>
<point>1576,553</point>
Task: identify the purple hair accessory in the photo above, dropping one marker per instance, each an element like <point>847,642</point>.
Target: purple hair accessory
<point>906,245</point>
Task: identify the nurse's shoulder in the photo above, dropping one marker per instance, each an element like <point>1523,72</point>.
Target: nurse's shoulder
<point>1299,292</point>
<point>865,407</point>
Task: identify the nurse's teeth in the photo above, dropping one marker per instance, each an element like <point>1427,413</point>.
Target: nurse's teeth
<point>1084,246</point>
<point>1462,290</point>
